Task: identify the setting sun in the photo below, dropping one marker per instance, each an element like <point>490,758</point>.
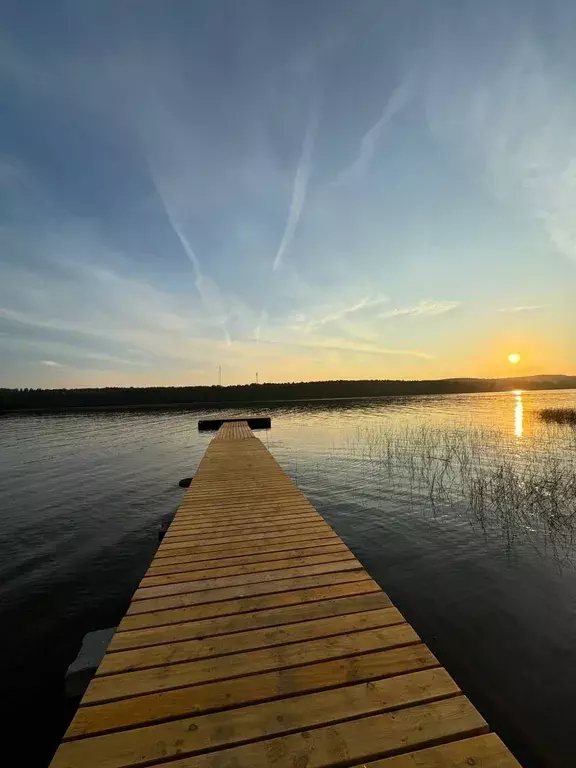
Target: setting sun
<point>514,358</point>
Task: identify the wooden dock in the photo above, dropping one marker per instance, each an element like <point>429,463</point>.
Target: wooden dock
<point>257,639</point>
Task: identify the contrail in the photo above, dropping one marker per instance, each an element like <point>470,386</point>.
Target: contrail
<point>202,285</point>
<point>395,103</point>
<point>300,187</point>
<point>188,250</point>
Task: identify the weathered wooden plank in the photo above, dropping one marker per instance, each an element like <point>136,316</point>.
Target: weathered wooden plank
<point>228,474</point>
<point>215,596</point>
<point>246,473</point>
<point>259,523</point>
<point>200,555</point>
<point>183,572</point>
<point>232,502</point>
<point>239,508</point>
<point>359,739</point>
<point>228,547</point>
<point>250,605</point>
<point>283,492</point>
<point>121,686</point>
<point>196,734</point>
<point>219,537</point>
<point>195,585</point>
<point>191,564</point>
<point>237,427</point>
<point>273,617</point>
<point>268,686</point>
<point>279,502</point>
<point>220,518</point>
<point>242,498</point>
<point>177,651</point>
<point>313,529</point>
<point>486,751</point>
<point>245,491</point>
<point>257,527</point>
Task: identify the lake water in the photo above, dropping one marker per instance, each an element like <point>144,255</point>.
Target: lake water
<point>462,507</point>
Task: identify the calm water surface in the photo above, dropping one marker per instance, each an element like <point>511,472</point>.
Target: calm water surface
<point>461,507</point>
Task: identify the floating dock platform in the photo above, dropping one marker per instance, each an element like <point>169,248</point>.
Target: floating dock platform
<point>254,422</point>
<point>256,639</point>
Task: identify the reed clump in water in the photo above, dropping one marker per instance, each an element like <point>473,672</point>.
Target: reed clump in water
<point>559,415</point>
<point>509,491</point>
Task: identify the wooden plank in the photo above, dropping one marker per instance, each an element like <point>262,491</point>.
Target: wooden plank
<point>257,526</point>
<point>121,686</point>
<point>177,651</point>
<point>185,539</point>
<point>262,493</point>
<point>222,514</point>
<point>235,472</point>
<point>268,686</point>
<point>177,573</point>
<point>236,501</point>
<point>214,596</point>
<point>278,501</point>
<point>273,617</point>
<point>310,529</point>
<point>227,524</point>
<point>163,615</point>
<point>253,549</point>
<point>232,501</point>
<point>360,739</point>
<point>236,505</point>
<point>264,557</point>
<point>208,509</point>
<point>195,585</point>
<point>244,476</point>
<point>234,547</point>
<point>290,558</point>
<point>193,735</point>
<point>237,427</point>
<point>244,490</point>
<point>218,516</point>
<point>485,751</point>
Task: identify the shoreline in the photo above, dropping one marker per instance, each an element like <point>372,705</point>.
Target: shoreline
<point>240,404</point>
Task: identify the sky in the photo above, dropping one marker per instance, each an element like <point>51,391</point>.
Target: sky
<point>288,189</point>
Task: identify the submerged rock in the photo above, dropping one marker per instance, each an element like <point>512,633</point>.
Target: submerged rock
<point>185,482</point>
<point>82,669</point>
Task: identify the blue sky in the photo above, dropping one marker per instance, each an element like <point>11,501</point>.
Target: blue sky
<point>309,190</point>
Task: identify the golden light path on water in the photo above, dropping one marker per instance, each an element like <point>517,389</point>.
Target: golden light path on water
<point>518,413</point>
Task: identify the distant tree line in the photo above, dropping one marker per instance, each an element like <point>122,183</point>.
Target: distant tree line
<point>122,397</point>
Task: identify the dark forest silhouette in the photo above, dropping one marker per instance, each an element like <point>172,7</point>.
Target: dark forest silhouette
<point>198,396</point>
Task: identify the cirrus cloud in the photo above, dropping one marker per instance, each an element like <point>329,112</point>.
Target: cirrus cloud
<point>528,308</point>
<point>425,307</point>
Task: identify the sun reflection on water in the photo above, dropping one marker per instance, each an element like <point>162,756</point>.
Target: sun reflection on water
<point>518,413</point>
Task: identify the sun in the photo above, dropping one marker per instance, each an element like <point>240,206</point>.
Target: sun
<point>513,358</point>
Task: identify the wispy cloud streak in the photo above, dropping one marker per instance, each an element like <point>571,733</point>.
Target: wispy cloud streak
<point>530,308</point>
<point>342,345</point>
<point>514,111</point>
<point>364,303</point>
<point>300,187</point>
<point>423,308</point>
<point>208,290</point>
<point>395,103</point>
